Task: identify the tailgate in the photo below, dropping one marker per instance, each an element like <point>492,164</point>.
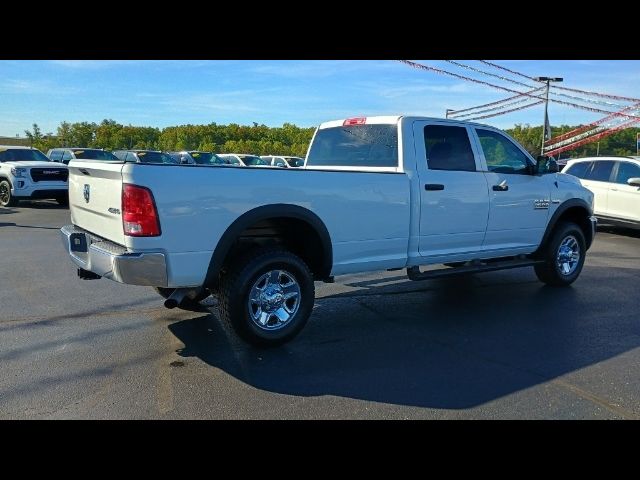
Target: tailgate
<point>95,197</point>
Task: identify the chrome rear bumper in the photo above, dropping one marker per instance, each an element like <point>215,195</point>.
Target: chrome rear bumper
<point>113,261</point>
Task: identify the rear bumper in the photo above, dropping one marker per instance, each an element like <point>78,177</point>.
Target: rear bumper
<point>113,261</point>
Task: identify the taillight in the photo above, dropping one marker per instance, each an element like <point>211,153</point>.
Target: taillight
<point>355,121</point>
<point>139,214</point>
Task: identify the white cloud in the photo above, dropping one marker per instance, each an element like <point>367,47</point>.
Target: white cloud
<point>35,87</point>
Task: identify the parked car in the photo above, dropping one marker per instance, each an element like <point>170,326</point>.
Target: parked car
<point>283,161</point>
<point>65,155</point>
<point>194,157</point>
<point>464,193</point>
<point>144,156</point>
<point>27,174</point>
<point>232,159</point>
<point>246,159</point>
<point>615,183</point>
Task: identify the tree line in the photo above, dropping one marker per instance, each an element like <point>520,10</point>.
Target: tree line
<point>233,138</point>
<point>262,140</point>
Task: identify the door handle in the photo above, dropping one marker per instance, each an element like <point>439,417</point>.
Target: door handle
<point>501,187</point>
<point>614,189</point>
<point>433,187</point>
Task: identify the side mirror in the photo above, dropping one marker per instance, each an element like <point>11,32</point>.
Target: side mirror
<point>546,164</point>
<point>634,182</point>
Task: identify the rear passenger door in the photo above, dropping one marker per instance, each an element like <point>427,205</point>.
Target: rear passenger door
<point>519,202</point>
<point>454,200</point>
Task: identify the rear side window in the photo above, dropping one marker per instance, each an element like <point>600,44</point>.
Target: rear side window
<point>66,156</point>
<point>56,155</point>
<point>355,146</point>
<point>578,169</point>
<point>601,171</point>
<point>627,170</point>
<point>448,148</point>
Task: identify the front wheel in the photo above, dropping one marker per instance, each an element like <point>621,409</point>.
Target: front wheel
<point>564,256</point>
<point>6,199</point>
<point>267,296</point>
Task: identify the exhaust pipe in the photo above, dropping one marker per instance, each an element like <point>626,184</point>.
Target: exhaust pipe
<point>87,275</point>
<point>179,295</point>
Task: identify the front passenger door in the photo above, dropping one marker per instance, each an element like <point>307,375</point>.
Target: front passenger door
<point>624,199</point>
<point>598,180</point>
<point>519,201</point>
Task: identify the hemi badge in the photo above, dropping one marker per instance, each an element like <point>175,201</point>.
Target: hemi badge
<point>115,211</point>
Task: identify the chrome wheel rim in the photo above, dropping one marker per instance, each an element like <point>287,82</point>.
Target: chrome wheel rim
<point>4,194</point>
<point>568,256</point>
<point>274,299</point>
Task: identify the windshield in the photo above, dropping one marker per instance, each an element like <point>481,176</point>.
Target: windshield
<point>206,158</point>
<point>155,157</point>
<point>230,160</point>
<point>295,161</point>
<point>94,155</point>
<point>355,146</point>
<point>252,161</point>
<point>22,155</point>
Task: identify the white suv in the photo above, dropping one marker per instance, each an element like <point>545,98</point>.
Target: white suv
<point>615,183</point>
<point>27,174</point>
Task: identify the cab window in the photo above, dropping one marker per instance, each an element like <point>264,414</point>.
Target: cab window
<point>501,154</point>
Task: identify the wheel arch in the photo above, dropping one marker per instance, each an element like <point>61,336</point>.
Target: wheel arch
<point>302,220</point>
<point>574,210</point>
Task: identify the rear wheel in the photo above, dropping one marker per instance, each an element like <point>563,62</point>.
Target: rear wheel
<point>267,296</point>
<point>6,199</point>
<point>564,256</point>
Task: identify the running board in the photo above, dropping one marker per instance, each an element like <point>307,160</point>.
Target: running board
<point>415,274</point>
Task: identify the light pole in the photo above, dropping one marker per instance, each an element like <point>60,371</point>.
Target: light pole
<point>547,80</point>
<point>446,113</point>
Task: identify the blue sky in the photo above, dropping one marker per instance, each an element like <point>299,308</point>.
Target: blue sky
<point>163,93</point>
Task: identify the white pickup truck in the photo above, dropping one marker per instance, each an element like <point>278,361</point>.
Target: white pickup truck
<point>375,193</point>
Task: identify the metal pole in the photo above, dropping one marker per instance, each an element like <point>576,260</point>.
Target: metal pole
<point>544,120</point>
<point>547,80</point>
<point>598,150</point>
<point>446,113</point>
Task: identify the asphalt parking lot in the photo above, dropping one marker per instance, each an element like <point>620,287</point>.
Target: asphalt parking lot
<point>496,345</point>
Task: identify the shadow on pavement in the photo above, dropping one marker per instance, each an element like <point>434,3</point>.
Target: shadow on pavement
<point>42,205</point>
<point>5,224</point>
<point>442,344</point>
<point>624,231</point>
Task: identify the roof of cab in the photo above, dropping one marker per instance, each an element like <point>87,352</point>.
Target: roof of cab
<point>393,119</point>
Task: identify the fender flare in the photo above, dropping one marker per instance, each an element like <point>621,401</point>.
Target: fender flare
<point>265,212</point>
<point>562,208</point>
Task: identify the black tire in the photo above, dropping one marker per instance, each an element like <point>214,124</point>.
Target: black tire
<point>166,293</point>
<point>238,282</point>
<point>551,272</point>
<point>63,201</point>
<point>6,199</point>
